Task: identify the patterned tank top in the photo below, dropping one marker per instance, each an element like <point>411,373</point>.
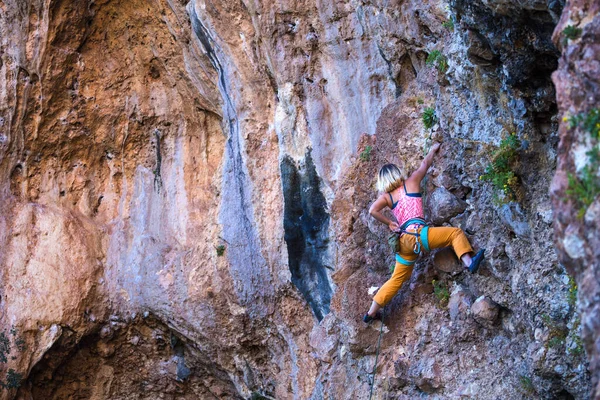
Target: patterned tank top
<point>409,205</point>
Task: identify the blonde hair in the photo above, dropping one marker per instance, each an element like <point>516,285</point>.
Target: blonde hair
<point>390,177</point>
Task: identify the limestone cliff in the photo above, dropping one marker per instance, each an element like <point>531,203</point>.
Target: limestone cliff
<point>184,191</point>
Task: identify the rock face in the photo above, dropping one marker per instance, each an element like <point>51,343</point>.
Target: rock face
<point>577,212</point>
<point>185,187</point>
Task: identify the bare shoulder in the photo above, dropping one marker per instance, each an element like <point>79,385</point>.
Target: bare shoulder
<point>413,183</point>
<point>382,201</point>
<point>384,198</point>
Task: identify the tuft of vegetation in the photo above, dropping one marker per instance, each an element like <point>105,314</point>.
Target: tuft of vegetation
<point>589,122</point>
<point>555,341</point>
<point>526,384</point>
<point>448,25</point>
<point>428,117</point>
<point>576,347</point>
<point>13,379</point>
<point>4,347</point>
<point>392,268</point>
<point>556,333</point>
<point>441,292</point>
<point>437,59</point>
<point>571,32</point>
<point>420,100</point>
<point>365,155</point>
<point>500,171</point>
<point>572,296</point>
<point>584,189</point>
<point>220,250</point>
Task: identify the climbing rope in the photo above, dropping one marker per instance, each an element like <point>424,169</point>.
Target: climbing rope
<point>427,147</point>
<point>377,353</point>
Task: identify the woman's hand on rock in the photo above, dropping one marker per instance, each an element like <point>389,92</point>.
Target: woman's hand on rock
<point>393,226</point>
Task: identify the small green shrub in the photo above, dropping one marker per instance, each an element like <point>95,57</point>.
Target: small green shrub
<point>365,155</point>
<point>500,171</point>
<point>13,378</point>
<point>576,348</point>
<point>571,32</point>
<point>420,100</point>
<point>428,117</point>
<point>526,384</point>
<point>557,333</point>
<point>555,341</point>
<point>437,59</point>
<point>4,347</point>
<point>589,121</point>
<point>572,296</point>
<point>584,189</point>
<point>441,292</point>
<point>220,250</point>
<point>448,25</point>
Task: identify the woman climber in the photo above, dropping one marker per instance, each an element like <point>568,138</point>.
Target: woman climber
<point>402,196</point>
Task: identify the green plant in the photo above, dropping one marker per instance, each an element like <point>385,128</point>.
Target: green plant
<point>392,268</point>
<point>572,296</point>
<point>13,378</point>
<point>576,347</point>
<point>500,171</point>
<point>577,350</point>
<point>526,384</point>
<point>557,333</point>
<point>441,292</point>
<point>584,188</point>
<point>554,341</point>
<point>428,117</point>
<point>220,250</point>
<point>589,121</point>
<point>4,347</point>
<point>437,59</point>
<point>448,25</point>
<point>571,32</point>
<point>365,155</point>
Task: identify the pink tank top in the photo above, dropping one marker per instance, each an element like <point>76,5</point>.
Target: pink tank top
<point>409,205</point>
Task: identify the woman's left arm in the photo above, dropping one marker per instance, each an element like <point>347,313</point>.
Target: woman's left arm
<point>375,212</point>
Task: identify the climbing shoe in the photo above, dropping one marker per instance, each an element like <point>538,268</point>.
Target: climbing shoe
<point>367,319</point>
<point>476,261</point>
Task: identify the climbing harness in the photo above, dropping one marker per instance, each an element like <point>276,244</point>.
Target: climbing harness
<point>422,239</point>
<point>377,353</point>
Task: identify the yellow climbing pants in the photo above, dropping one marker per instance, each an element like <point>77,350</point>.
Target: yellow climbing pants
<point>438,237</point>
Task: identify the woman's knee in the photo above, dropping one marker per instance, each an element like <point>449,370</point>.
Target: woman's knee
<point>456,232</point>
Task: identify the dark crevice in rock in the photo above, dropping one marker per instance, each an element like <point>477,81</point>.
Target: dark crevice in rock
<point>519,39</point>
<point>236,215</point>
<point>306,224</point>
<point>390,71</point>
<point>157,170</point>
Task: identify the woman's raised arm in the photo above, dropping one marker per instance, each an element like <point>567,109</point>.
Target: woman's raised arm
<point>414,181</point>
